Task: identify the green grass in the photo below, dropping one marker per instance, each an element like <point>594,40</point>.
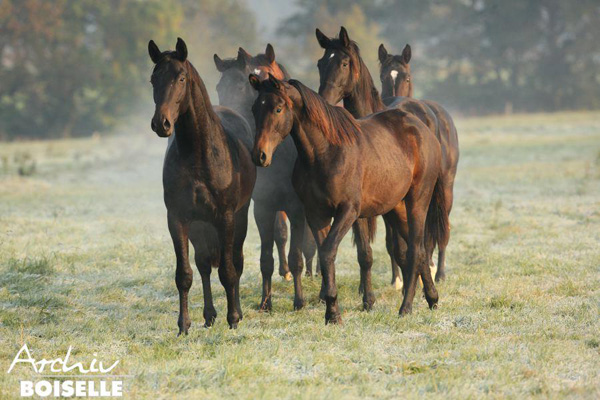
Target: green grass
<point>86,261</point>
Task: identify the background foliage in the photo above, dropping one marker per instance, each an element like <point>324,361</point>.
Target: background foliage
<point>73,67</point>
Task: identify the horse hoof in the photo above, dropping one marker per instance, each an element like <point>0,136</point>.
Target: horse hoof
<point>334,319</point>
<point>397,283</point>
<point>266,305</point>
<point>184,332</point>
<point>287,276</point>
<point>405,310</point>
<point>440,276</point>
<point>299,304</point>
<point>233,321</point>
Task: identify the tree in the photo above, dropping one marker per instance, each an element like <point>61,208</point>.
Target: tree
<point>72,67</point>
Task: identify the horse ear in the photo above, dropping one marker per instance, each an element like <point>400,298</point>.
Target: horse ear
<point>154,52</point>
<point>243,57</point>
<point>270,53</point>
<point>219,63</point>
<point>254,81</point>
<point>344,37</point>
<point>274,81</point>
<point>181,50</point>
<point>382,53</point>
<point>406,54</point>
<point>323,40</point>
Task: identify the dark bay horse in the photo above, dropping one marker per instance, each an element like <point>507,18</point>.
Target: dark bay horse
<point>396,81</point>
<point>273,193</point>
<point>208,177</point>
<point>344,76</point>
<point>385,164</point>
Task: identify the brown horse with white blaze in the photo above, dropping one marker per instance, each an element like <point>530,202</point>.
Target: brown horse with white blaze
<point>348,169</point>
<point>208,177</point>
<point>396,80</point>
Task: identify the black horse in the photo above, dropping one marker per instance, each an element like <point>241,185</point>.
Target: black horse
<point>208,178</point>
<point>273,193</point>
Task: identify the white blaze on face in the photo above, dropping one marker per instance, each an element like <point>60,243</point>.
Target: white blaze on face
<point>394,74</point>
<point>257,71</point>
<point>332,54</point>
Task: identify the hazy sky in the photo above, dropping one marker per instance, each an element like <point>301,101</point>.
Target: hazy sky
<point>269,13</point>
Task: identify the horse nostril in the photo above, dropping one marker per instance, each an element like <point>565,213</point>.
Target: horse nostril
<point>263,157</point>
<point>166,124</point>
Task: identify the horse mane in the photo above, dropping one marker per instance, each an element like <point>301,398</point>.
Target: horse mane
<point>337,124</point>
<point>366,85</point>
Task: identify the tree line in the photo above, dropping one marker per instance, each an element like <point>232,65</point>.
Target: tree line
<point>73,67</point>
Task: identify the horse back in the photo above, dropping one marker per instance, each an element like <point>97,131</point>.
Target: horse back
<point>447,134</point>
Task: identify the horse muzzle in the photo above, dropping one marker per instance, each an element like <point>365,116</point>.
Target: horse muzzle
<point>162,125</point>
<point>261,158</point>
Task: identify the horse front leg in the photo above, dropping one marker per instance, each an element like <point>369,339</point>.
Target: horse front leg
<point>296,263</point>
<point>184,276</point>
<point>241,229</point>
<point>228,274</point>
<point>281,237</point>
<point>345,216</point>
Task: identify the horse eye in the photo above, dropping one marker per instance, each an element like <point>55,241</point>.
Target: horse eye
<point>278,110</point>
<point>407,79</point>
<point>345,64</point>
<point>182,79</point>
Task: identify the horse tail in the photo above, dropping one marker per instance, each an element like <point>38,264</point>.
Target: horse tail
<point>437,225</point>
<point>368,226</point>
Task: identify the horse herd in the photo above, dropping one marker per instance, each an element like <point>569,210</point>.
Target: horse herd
<point>326,169</point>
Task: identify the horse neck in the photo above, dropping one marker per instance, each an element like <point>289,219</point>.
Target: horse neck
<point>364,99</point>
<point>310,141</point>
<point>199,133</point>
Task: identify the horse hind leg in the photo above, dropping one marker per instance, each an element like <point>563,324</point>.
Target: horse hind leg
<point>309,249</point>
<point>417,260</point>
<point>281,238</point>
<point>390,246</point>
<point>440,274</point>
<point>365,259</point>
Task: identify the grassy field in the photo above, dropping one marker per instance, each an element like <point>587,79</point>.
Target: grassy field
<point>86,261</point>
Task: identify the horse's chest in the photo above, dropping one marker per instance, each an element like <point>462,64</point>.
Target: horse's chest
<point>320,189</point>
